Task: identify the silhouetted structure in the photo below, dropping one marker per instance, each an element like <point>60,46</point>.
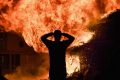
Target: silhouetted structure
<point>2,77</point>
<point>57,51</point>
<point>104,49</point>
<point>12,55</point>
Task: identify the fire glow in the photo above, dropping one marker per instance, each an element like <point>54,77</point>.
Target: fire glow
<point>33,18</point>
<point>73,64</point>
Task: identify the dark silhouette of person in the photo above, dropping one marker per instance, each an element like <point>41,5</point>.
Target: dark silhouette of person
<point>57,49</point>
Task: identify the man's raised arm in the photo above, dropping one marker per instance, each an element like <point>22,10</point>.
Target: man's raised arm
<point>44,37</point>
<point>70,38</point>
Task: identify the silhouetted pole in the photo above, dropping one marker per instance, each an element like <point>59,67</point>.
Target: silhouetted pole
<point>57,49</point>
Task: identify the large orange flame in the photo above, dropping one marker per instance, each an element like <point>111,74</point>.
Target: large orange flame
<point>33,18</point>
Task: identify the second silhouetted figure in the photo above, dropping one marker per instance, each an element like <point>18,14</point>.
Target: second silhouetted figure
<point>57,49</point>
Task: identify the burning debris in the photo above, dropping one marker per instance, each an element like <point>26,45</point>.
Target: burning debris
<point>72,64</point>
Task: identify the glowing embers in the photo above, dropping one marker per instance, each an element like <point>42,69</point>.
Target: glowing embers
<point>72,64</point>
<point>76,63</point>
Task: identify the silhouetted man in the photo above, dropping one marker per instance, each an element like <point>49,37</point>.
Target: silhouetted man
<point>57,49</point>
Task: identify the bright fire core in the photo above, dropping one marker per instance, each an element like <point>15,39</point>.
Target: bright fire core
<point>34,18</point>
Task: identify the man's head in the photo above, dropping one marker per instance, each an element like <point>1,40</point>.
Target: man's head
<point>57,35</point>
